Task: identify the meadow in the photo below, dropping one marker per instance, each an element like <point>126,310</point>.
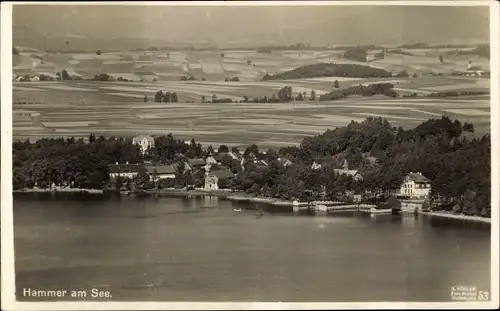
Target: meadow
<point>76,108</point>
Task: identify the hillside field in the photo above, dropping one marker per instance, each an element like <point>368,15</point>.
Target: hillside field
<point>67,108</point>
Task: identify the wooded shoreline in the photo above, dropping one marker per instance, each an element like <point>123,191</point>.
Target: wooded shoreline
<point>231,196</point>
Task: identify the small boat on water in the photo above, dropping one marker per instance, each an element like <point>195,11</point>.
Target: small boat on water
<point>260,212</point>
<point>236,209</point>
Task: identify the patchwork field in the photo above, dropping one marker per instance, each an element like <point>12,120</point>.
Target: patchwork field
<point>76,108</point>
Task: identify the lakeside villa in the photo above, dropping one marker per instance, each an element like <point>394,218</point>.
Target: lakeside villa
<point>415,186</point>
<point>212,178</point>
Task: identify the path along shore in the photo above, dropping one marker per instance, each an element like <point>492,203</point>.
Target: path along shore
<point>233,196</point>
<point>225,194</point>
<point>458,216</point>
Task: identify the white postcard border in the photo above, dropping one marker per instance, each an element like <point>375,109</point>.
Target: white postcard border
<point>7,241</point>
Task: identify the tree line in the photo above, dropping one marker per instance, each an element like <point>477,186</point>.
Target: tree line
<point>363,90</point>
<point>330,70</point>
<point>459,167</point>
<point>167,97</point>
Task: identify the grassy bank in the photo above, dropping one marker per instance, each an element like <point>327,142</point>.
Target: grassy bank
<point>458,216</point>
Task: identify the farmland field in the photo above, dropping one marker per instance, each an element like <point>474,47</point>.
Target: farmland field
<point>76,108</point>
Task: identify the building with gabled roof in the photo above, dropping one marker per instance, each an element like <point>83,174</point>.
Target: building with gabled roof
<point>125,170</point>
<point>221,155</point>
<point>161,171</point>
<point>212,178</point>
<point>415,185</point>
<point>474,70</point>
<point>196,163</point>
<point>144,141</point>
<point>354,174</point>
<point>345,171</point>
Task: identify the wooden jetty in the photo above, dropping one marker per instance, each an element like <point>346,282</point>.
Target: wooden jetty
<point>322,208</point>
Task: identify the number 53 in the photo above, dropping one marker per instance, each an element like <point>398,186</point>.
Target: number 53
<point>483,296</point>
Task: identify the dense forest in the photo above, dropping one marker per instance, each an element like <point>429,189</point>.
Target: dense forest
<point>459,167</point>
<point>356,53</point>
<point>330,70</point>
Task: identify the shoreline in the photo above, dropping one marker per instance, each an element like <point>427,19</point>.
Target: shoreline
<point>55,190</point>
<point>231,196</point>
<point>225,194</point>
<point>457,216</point>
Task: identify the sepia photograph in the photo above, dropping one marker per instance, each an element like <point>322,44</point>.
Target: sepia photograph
<point>249,155</point>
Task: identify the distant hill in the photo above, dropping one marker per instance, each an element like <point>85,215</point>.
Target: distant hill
<point>37,40</point>
<point>423,45</point>
<point>482,50</point>
<point>330,70</point>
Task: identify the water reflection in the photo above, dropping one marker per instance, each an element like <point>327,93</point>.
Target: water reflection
<point>210,201</point>
<point>183,244</point>
<point>386,218</point>
<point>408,220</point>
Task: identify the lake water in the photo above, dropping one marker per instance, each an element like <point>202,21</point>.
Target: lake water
<point>180,249</point>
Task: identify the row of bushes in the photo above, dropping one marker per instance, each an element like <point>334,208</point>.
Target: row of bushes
<point>369,90</point>
<point>447,94</point>
<point>457,93</point>
<point>167,97</point>
<point>27,103</point>
<point>330,70</point>
<point>356,53</point>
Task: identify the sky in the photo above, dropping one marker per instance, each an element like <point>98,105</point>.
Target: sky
<point>232,25</point>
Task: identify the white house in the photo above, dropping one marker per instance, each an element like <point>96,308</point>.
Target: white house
<point>415,185</point>
<point>125,170</point>
<point>145,142</point>
<point>211,182</point>
<point>212,179</point>
<point>316,166</point>
<point>474,70</point>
